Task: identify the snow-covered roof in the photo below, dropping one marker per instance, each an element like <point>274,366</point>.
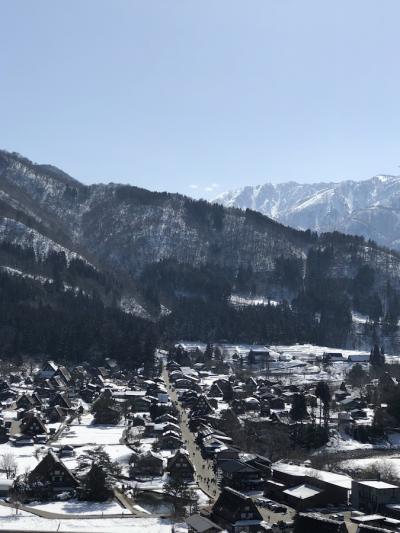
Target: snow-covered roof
<point>201,523</point>
<point>129,393</point>
<point>301,470</point>
<point>378,484</point>
<point>303,491</point>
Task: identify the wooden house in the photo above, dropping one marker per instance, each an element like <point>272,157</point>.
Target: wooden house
<point>303,487</point>
<point>62,400</point>
<point>259,462</point>
<point>180,466</point>
<point>166,417</point>
<point>52,470</point>
<point>148,464</point>
<point>48,370</point>
<point>304,496</point>
<point>215,391</point>
<point>141,404</point>
<point>226,452</point>
<point>27,401</point>
<point>64,374</point>
<point>251,404</point>
<point>198,523</point>
<point>277,403</point>
<point>170,441</point>
<point>236,512</point>
<point>32,425</point>
<point>315,523</point>
<point>372,496</point>
<point>240,476</point>
<point>66,451</point>
<point>251,385</point>
<point>57,382</point>
<point>57,414</point>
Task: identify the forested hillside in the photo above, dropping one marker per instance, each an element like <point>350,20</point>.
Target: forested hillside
<point>177,262</point>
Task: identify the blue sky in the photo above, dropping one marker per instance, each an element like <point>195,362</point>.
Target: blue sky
<point>201,96</point>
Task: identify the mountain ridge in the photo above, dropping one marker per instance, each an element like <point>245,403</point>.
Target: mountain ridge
<point>179,261</point>
<point>370,208</point>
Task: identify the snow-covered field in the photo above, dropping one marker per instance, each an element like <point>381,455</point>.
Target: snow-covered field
<point>117,452</point>
<point>380,464</point>
<point>81,507</point>
<point>23,455</point>
<point>23,521</point>
<point>301,351</point>
<point>342,443</point>
<point>89,433</point>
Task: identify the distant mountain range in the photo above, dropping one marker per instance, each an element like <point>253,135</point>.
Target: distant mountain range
<point>370,208</point>
<point>123,230</point>
<point>181,263</point>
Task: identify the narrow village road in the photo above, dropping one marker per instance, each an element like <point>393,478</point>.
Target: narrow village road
<point>204,476</point>
<point>204,467</point>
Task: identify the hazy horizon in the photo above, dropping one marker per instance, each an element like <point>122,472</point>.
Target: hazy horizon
<point>207,195</point>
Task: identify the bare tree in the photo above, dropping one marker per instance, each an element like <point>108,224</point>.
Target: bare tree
<point>380,469</point>
<point>193,501</point>
<point>8,465</point>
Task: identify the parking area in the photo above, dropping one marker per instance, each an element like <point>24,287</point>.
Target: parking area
<point>274,512</point>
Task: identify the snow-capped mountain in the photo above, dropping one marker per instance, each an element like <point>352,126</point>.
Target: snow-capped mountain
<point>370,208</point>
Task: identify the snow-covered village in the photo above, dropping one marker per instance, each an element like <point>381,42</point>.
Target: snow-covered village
<point>199,266</point>
<point>215,437</point>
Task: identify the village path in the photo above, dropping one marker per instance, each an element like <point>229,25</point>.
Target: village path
<point>204,476</point>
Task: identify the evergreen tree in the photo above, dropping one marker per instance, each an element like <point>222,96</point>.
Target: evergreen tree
<point>218,354</point>
<point>299,407</point>
<point>176,489</point>
<point>357,376</point>
<point>98,456</point>
<point>208,352</point>
<point>375,308</point>
<point>378,425</point>
<point>324,394</point>
<point>105,409</point>
<point>377,357</point>
<point>149,363</point>
<point>95,486</point>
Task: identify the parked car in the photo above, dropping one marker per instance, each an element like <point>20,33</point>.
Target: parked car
<point>263,502</point>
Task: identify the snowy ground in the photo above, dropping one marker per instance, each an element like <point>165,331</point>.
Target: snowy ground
<point>24,456</point>
<point>300,351</point>
<point>381,464</point>
<point>240,301</point>
<point>359,318</point>
<point>24,521</point>
<point>342,442</point>
<point>81,507</point>
<point>117,452</point>
<point>209,380</point>
<point>89,433</point>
